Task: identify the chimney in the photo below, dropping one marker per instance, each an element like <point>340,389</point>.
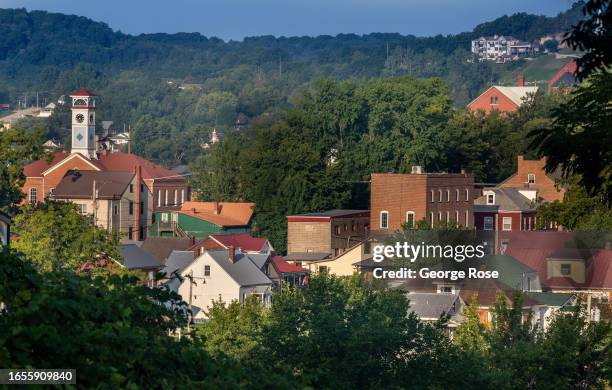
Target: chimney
<point>137,200</point>
<point>463,171</point>
<point>416,170</point>
<point>520,80</point>
<point>217,206</point>
<point>231,254</point>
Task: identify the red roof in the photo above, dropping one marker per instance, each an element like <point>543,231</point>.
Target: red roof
<point>83,92</point>
<point>242,241</point>
<point>570,67</point>
<point>126,162</point>
<point>117,162</point>
<point>36,168</point>
<point>286,268</point>
<point>534,248</point>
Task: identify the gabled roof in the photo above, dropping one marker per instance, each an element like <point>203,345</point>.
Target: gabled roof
<point>430,306</point>
<point>220,213</point>
<point>177,261</point>
<point>515,94</point>
<point>136,258</point>
<point>79,185</point>
<point>162,247</point>
<point>511,271</point>
<point>117,162</point>
<point>243,271</point>
<point>284,267</point>
<point>506,199</point>
<point>244,241</point>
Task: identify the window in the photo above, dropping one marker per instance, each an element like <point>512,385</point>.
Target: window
<point>164,217</point>
<point>432,196</point>
<point>354,227</point>
<point>116,209</point>
<point>488,223</point>
<point>338,230</point>
<point>175,197</point>
<point>384,220</point>
<point>439,216</point>
<point>141,187</point>
<point>32,195</point>
<point>207,270</point>
<point>447,217</point>
<point>166,198</point>
<point>467,194</point>
<point>457,195</point>
<point>566,269</point>
<point>182,196</point>
<point>445,289</point>
<point>457,218</point>
<point>410,219</point>
<point>467,218</point>
<point>439,195</point>
<point>507,223</point>
<point>494,100</point>
<point>159,198</point>
<point>130,233</point>
<point>131,188</point>
<point>82,208</point>
<point>323,269</point>
<point>531,178</point>
<point>490,199</point>
<point>448,195</point>
<point>131,207</point>
<point>141,208</point>
<point>431,220</point>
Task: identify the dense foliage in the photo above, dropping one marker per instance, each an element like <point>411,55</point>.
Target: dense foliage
<point>55,235</point>
<point>173,89</point>
<point>113,331</point>
<point>321,153</point>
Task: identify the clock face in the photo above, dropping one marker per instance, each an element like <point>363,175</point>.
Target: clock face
<point>80,102</point>
<point>80,118</point>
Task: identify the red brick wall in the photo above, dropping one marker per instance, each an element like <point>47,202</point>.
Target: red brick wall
<point>483,102</point>
<point>543,183</point>
<point>399,193</point>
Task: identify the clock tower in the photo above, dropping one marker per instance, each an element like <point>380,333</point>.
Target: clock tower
<point>84,123</point>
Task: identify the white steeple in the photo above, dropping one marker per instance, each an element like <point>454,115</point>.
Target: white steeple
<point>84,123</point>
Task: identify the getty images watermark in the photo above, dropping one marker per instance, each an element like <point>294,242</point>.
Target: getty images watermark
<point>404,251</point>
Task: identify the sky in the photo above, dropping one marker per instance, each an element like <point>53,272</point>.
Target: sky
<point>236,19</point>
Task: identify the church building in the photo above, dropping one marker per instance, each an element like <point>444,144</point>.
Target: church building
<point>167,190</point>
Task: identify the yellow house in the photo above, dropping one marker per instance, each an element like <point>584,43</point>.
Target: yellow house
<point>342,265</point>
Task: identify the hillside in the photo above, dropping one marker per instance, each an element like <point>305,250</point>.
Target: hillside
<point>137,77</point>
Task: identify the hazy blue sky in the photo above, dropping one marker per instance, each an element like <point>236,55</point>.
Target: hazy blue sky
<point>235,19</point>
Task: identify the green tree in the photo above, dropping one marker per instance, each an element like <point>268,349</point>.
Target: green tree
<point>471,335</point>
<point>17,148</point>
<point>54,235</point>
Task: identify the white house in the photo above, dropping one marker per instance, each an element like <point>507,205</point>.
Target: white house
<point>225,275</point>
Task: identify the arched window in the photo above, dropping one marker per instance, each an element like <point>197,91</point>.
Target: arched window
<point>457,218</point>
<point>467,218</point>
<point>439,195</point>
<point>432,196</point>
<point>431,219</point>
<point>32,195</point>
<point>457,197</point>
<point>410,219</point>
<point>448,195</point>
<point>384,219</point>
<point>467,194</point>
<point>159,198</point>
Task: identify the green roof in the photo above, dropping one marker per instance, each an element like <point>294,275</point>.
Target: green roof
<point>550,298</point>
<point>511,270</point>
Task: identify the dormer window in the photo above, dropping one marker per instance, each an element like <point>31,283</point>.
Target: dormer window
<point>531,178</point>
<point>494,100</point>
<point>490,198</point>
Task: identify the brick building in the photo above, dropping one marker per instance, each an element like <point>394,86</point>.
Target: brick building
<point>532,181</point>
<point>501,98</point>
<point>504,209</point>
<point>326,233</point>
<point>168,190</point>
<point>407,198</point>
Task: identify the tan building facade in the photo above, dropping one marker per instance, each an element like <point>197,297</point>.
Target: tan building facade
<point>331,232</point>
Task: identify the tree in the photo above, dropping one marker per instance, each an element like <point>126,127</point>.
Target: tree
<point>551,45</point>
<point>54,235</point>
<point>115,332</point>
<point>593,35</point>
<point>17,148</point>
<point>471,335</point>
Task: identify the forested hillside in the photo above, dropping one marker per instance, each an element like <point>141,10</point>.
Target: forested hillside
<point>137,77</point>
